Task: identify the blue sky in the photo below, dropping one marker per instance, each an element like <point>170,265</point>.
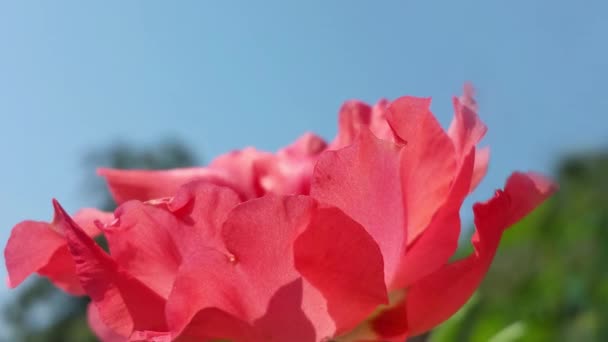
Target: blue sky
<point>225,74</point>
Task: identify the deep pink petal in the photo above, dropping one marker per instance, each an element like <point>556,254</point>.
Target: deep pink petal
<point>428,161</point>
<point>150,240</point>
<point>29,248</point>
<point>251,259</point>
<point>61,271</point>
<point>212,324</point>
<point>41,247</point>
<point>124,303</point>
<point>335,254</point>
<point>363,181</point>
<point>247,280</point>
<point>284,319</point>
<point>436,297</point>
<point>141,242</point>
<point>201,210</point>
<point>440,239</point>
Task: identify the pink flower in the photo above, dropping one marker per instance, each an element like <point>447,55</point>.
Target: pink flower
<point>349,241</point>
<point>250,172</point>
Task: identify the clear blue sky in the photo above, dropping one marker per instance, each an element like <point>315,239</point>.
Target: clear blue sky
<point>224,74</point>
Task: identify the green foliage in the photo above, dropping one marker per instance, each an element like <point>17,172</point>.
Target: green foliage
<point>549,281</point>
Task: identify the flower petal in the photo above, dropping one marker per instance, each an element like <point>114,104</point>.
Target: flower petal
<point>102,331</point>
<point>428,161</point>
<point>124,303</point>
<point>436,297</point>
<point>482,158</point>
<point>284,319</point>
<point>241,278</point>
<point>363,181</point>
<point>356,116</point>
<point>352,118</point>
<point>466,129</point>
<point>25,255</point>
<point>251,280</point>
<point>334,254</point>
<point>41,247</point>
<point>141,242</point>
<point>150,184</point>
<point>213,324</point>
<point>289,171</point>
<point>439,241</point>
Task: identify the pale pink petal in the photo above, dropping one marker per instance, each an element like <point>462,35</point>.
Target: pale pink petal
<point>482,158</point>
<point>101,330</point>
<point>466,129</point>
<point>289,171</point>
<point>144,185</point>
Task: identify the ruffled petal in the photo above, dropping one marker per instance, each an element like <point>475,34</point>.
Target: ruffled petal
<point>466,129</point>
<point>144,185</point>
<point>436,297</point>
<point>249,172</point>
<point>41,247</point>
<point>428,161</point>
<point>239,167</point>
<point>124,303</point>
<point>379,125</point>
<point>141,242</point>
<point>355,117</point>
<point>352,118</point>
<point>289,171</point>
<point>307,145</point>
<point>439,241</point>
